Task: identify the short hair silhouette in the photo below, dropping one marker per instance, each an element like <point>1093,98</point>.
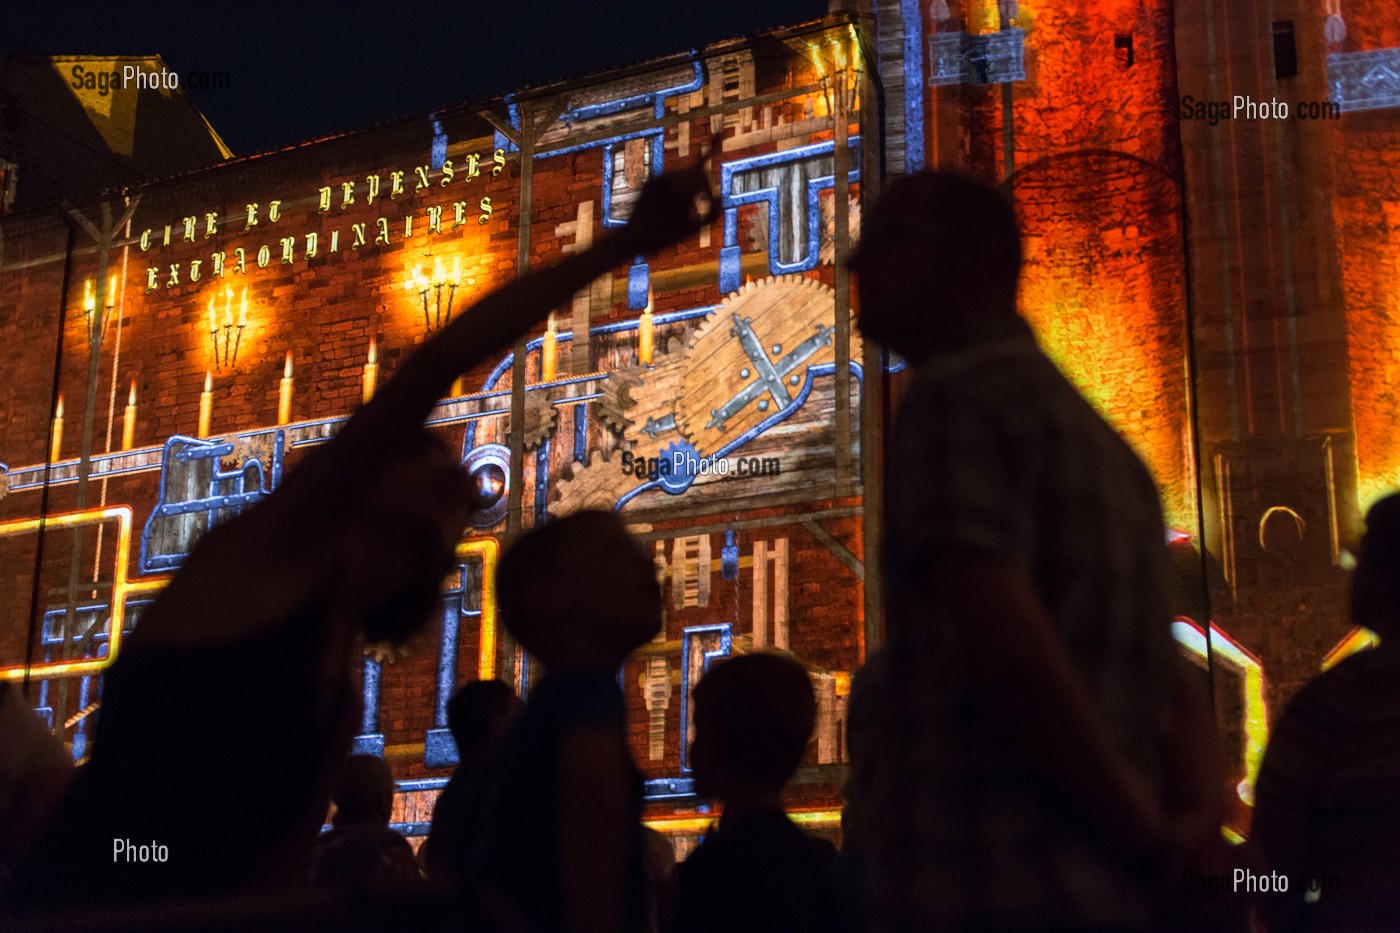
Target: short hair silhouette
<point>1376,582</point>
<point>968,224</point>
<point>470,711</point>
<point>756,713</point>
<point>580,582</point>
<point>364,792</point>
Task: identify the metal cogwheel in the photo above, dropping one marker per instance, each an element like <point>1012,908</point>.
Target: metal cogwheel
<point>596,485</point>
<point>749,360</point>
<point>540,418</point>
<point>616,403</point>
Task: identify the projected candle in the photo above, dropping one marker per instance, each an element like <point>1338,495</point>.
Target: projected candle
<point>549,351</point>
<point>284,394</point>
<point>645,335</point>
<point>56,443</point>
<point>206,404</point>
<point>371,374</point>
<point>129,419</point>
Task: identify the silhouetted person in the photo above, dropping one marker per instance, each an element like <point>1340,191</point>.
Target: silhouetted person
<point>479,714</point>
<point>869,691</point>
<point>757,871</point>
<point>250,655</point>
<point>659,866</point>
<point>35,771</point>
<point>1327,802</point>
<point>1018,773</point>
<point>360,852</point>
<point>562,848</point>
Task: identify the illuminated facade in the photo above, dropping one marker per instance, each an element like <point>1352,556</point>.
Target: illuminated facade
<point>1223,293</point>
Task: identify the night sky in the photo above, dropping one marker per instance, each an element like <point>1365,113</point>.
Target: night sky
<point>299,71</point>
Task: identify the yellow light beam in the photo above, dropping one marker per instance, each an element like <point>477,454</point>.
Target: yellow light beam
<point>120,587</point>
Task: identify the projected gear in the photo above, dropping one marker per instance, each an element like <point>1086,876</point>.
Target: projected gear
<point>653,415</point>
<point>541,417</point>
<point>750,358</point>
<point>597,485</point>
<point>613,408</point>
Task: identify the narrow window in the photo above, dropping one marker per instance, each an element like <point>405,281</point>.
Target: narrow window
<point>1285,49</point>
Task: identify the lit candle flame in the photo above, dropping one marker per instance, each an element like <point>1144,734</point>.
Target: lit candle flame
<point>373,352</point>
<point>58,409</point>
<point>131,396</point>
<point>287,367</point>
<point>88,302</point>
<point>208,381</point>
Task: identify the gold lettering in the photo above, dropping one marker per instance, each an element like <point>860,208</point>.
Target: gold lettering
<point>383,224</point>
<point>274,211</point>
<point>166,242</point>
<point>325,199</point>
<point>174,275</point>
<point>241,263</point>
<point>191,222</point>
<point>151,273</point>
<point>218,260</point>
<point>145,239</point>
<point>373,182</point>
<point>485,209</point>
<point>312,242</point>
<point>194,269</point>
<point>435,219</point>
<point>252,220</point>
<point>264,256</point>
<point>473,161</point>
<point>357,233</point>
<point>408,227</point>
<point>422,172</point>
<point>211,224</point>
<point>499,157</point>
<point>288,243</point>
<point>459,213</point>
<point>347,192</point>
<point>395,184</point>
<point>335,241</point>
<point>447,172</point>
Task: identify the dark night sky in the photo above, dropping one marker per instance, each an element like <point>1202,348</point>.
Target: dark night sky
<point>298,71</point>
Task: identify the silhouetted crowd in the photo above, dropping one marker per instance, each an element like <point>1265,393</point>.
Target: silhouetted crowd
<point>1028,750</point>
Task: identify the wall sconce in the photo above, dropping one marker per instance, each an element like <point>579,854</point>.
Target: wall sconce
<point>227,336</point>
<point>109,301</point>
<point>436,313</point>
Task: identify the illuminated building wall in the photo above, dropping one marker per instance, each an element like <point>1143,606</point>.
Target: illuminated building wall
<point>203,331</point>
<point>1259,256</point>
<point>1366,155</point>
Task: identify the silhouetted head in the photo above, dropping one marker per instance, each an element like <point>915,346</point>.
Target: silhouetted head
<point>938,262</point>
<point>1375,585</point>
<point>753,717</point>
<point>364,794</point>
<point>579,591</point>
<point>480,713</point>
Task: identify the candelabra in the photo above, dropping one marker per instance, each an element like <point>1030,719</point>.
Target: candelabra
<point>436,312</point>
<point>227,337</point>
<point>109,301</point>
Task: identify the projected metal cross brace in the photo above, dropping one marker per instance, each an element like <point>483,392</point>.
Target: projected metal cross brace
<point>770,374</point>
